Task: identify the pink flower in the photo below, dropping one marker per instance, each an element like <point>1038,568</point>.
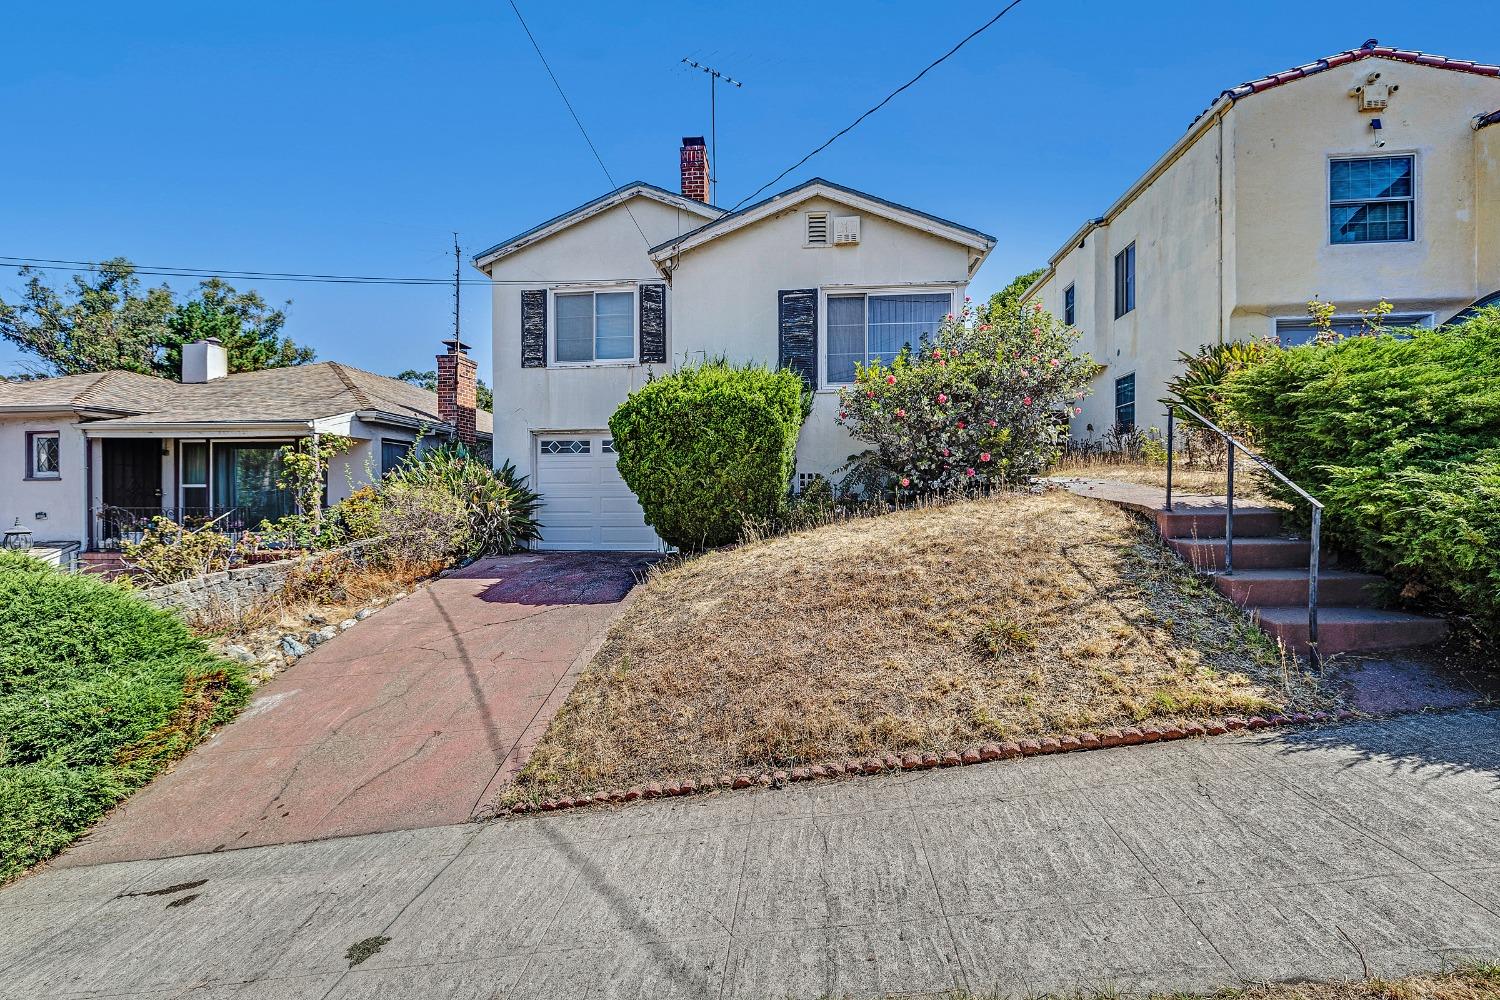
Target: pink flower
<point>890,380</point>
<point>993,424</point>
<point>984,327</point>
<point>942,362</point>
<point>905,481</point>
<point>961,426</point>
<point>969,472</point>
<point>1026,401</point>
<point>1037,307</point>
<point>870,394</point>
<point>1055,362</point>
<point>969,299</point>
<point>949,316</point>
<point>946,453</point>
<point>937,352</point>
<point>1036,331</point>
<point>942,398</point>
<point>1025,373</point>
<point>985,457</point>
<point>901,414</point>
<point>1078,410</point>
<point>845,413</point>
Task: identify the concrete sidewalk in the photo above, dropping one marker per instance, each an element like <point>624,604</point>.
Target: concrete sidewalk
<point>1182,866</point>
<point>414,718</point>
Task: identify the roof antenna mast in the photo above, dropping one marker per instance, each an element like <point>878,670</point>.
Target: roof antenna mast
<point>714,76</point>
<point>457,269</point>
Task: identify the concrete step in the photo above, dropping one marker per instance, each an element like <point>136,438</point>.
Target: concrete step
<point>1208,522</point>
<point>1288,587</point>
<point>1249,553</point>
<point>1351,630</point>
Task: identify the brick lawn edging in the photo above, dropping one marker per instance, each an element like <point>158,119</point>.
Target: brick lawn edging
<point>921,762</point>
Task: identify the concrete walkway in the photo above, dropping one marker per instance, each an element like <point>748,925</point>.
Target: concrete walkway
<point>1320,853</point>
<point>414,718</point>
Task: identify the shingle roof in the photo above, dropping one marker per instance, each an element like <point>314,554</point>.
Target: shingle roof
<point>121,392</point>
<point>1370,49</point>
<point>300,393</point>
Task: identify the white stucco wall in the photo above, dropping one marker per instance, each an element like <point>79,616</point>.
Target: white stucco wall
<point>722,300</point>
<point>52,508</point>
<point>1270,201</point>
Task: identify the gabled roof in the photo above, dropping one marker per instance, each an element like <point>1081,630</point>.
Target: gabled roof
<point>1371,49</point>
<point>817,187</point>
<point>297,394</point>
<point>556,224</point>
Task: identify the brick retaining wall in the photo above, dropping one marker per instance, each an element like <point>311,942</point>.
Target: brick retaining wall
<point>241,588</point>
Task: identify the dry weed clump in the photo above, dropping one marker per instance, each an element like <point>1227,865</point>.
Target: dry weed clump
<point>1016,617</point>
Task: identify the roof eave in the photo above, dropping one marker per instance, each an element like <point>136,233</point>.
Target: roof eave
<point>486,259</point>
<point>816,187</point>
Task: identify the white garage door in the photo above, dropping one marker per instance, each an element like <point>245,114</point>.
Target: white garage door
<point>587,504</point>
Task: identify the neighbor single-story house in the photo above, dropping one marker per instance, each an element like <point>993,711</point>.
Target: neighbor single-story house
<point>1372,174</point>
<point>590,304</point>
<point>88,459</point>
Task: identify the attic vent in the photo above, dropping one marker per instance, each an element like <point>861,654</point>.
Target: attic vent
<point>846,230</point>
<point>817,229</point>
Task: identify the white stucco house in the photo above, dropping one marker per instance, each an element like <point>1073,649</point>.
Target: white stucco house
<point>588,305</point>
<point>85,460</point>
<point>1372,174</point>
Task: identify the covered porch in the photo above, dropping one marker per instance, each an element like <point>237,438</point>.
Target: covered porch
<point>229,481</point>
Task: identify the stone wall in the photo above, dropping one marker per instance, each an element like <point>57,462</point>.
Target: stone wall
<point>237,590</point>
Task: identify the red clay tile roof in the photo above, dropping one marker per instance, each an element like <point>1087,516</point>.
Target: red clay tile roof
<point>1368,50</point>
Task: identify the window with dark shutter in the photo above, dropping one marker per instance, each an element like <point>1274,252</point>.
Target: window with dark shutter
<point>653,324</point>
<point>797,341</point>
<point>534,328</point>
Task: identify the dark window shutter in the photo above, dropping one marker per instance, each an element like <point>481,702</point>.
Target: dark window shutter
<point>534,328</point>
<point>797,344</point>
<point>653,324</point>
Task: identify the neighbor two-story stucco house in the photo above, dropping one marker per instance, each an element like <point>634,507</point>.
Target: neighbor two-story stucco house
<point>1372,174</point>
<point>589,304</point>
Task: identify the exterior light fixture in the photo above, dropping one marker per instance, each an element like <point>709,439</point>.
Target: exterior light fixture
<point>18,539</point>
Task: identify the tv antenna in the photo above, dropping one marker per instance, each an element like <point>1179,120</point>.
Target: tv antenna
<point>714,76</point>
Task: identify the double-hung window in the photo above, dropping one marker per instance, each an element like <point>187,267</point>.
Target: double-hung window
<point>43,455</point>
<point>595,326</point>
<point>1125,403</point>
<point>1070,303</point>
<point>1124,281</point>
<point>1371,199</point>
<point>866,328</point>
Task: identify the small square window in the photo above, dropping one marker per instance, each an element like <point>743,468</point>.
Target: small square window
<point>595,326</point>
<point>43,455</point>
<point>1371,199</point>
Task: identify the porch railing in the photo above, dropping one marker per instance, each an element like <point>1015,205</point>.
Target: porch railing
<point>114,525</point>
<point>1231,445</point>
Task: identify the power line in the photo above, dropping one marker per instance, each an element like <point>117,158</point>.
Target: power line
<point>576,120</point>
<point>167,271</point>
<point>888,98</point>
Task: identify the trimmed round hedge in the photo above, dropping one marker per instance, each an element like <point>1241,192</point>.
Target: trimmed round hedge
<point>709,447</point>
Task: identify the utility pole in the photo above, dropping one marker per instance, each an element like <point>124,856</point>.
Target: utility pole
<point>457,268</point>
<point>714,76</point>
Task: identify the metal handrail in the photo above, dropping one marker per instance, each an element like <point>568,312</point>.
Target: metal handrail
<point>1232,444</point>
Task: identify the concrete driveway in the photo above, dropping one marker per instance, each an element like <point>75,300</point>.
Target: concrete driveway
<point>1318,853</point>
<point>414,718</point>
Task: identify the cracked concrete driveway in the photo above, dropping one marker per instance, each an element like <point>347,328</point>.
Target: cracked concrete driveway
<point>415,718</point>
<point>1319,853</point>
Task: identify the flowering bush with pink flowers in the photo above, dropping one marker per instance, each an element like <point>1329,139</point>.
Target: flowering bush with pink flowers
<point>979,404</point>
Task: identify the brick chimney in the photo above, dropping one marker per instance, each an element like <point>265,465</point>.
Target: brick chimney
<point>695,168</point>
<point>456,393</point>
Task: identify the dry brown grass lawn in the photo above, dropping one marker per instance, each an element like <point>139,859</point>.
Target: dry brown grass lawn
<point>1016,617</point>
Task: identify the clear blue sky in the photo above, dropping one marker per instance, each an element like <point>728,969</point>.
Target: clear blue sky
<point>354,138</point>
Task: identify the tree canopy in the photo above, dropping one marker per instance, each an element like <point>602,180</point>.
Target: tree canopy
<point>428,380</point>
<point>106,321</point>
<point>1009,297</point>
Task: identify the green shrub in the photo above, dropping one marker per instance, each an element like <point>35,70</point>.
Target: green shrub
<point>708,448</point>
<point>497,509</point>
<point>1400,438</point>
<point>979,404</point>
<point>98,691</point>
